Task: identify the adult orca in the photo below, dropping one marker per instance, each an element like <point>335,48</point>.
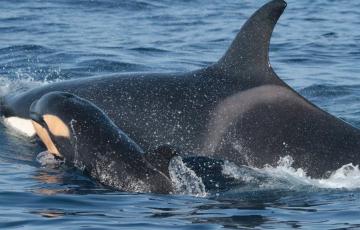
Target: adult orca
<point>236,109</point>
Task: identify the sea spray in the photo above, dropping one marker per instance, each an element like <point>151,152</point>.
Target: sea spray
<point>185,180</point>
<point>46,159</point>
<point>285,176</point>
<point>18,84</point>
<point>348,176</point>
<point>18,126</point>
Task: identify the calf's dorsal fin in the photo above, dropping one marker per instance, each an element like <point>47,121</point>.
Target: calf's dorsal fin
<point>160,158</point>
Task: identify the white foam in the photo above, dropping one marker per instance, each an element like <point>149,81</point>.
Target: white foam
<point>20,126</point>
<point>346,177</point>
<point>21,83</point>
<point>185,180</point>
<point>47,159</point>
<point>239,173</point>
<point>285,176</point>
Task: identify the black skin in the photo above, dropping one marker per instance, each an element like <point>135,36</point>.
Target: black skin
<point>95,140</point>
<point>99,148</point>
<point>173,108</point>
<point>205,111</point>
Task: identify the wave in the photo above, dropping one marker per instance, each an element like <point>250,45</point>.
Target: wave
<point>29,48</point>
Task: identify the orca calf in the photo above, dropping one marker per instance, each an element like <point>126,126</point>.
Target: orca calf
<point>237,109</point>
<point>78,131</point>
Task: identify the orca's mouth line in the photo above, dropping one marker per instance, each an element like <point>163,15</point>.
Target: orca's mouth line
<point>44,135</point>
<point>42,130</point>
<point>37,117</point>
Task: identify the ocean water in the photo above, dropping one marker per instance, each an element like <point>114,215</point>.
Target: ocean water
<point>315,48</point>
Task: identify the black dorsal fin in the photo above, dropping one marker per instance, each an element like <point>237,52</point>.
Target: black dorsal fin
<point>249,52</point>
<point>160,158</point>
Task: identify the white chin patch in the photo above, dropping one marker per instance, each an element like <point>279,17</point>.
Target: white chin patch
<point>20,125</point>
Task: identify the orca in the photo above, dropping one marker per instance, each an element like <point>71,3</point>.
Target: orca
<point>236,109</point>
<point>80,134</point>
<point>77,131</point>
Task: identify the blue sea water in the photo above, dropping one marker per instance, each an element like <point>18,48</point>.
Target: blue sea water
<point>315,48</point>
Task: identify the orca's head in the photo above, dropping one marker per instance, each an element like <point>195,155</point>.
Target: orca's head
<point>65,123</point>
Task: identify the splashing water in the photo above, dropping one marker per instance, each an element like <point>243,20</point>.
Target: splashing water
<point>72,123</point>
<point>185,180</point>
<point>284,176</point>
<point>19,84</point>
<point>239,173</point>
<point>46,159</point>
<point>348,176</point>
<point>23,80</point>
<point>18,126</point>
